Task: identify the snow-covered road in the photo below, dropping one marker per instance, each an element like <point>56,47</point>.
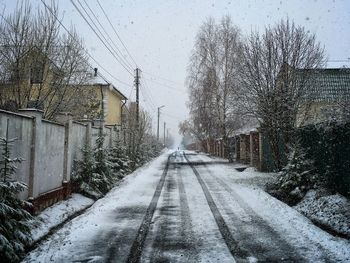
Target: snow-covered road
<point>199,209</point>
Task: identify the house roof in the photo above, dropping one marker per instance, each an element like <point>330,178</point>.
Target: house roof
<point>119,92</point>
<point>100,81</point>
<point>329,85</point>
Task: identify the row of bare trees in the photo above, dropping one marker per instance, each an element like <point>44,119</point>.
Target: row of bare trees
<point>212,81</point>
<point>40,65</point>
<point>141,144</point>
<point>45,67</point>
<point>263,77</point>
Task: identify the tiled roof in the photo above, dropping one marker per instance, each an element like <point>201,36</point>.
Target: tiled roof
<point>329,85</point>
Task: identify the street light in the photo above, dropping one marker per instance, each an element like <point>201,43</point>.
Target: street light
<point>158,121</point>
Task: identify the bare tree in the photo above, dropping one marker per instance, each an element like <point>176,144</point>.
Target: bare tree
<point>275,79</point>
<point>212,80</point>
<point>40,66</point>
<point>137,134</point>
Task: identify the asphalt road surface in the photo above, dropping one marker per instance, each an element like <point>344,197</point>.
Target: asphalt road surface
<point>189,207</point>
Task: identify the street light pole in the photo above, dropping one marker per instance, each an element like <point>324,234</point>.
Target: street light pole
<point>164,131</point>
<point>158,121</point>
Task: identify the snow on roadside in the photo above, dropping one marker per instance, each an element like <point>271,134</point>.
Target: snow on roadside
<point>74,241</point>
<point>57,214</point>
<point>331,211</point>
<point>61,211</point>
<point>297,229</point>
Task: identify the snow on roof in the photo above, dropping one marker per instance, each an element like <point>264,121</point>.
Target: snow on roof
<point>98,80</point>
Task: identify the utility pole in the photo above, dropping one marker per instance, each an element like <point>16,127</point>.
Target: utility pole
<point>137,84</point>
<point>158,121</point>
<point>164,132</point>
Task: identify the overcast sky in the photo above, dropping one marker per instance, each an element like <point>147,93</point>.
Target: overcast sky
<point>160,35</point>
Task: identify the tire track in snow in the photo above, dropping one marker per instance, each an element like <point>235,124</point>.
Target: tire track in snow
<point>282,252</point>
<point>237,252</point>
<point>259,221</point>
<point>138,244</point>
<point>169,238</point>
<point>185,217</point>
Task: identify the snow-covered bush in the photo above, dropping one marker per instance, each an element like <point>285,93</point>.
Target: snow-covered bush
<point>93,175</point>
<point>103,172</point>
<point>328,144</point>
<point>14,227</point>
<point>84,173</point>
<point>296,178</point>
<point>148,150</point>
<point>119,161</point>
<point>319,159</point>
<point>329,211</point>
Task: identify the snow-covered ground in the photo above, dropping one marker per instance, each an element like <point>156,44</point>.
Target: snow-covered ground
<point>330,211</point>
<point>250,202</point>
<point>104,221</point>
<point>57,214</point>
<point>183,227</point>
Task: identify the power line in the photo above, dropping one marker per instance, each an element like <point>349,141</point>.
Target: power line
<point>147,104</point>
<point>165,85</point>
<point>110,74</point>
<point>174,117</point>
<point>147,90</point>
<point>90,56</point>
<point>131,93</point>
<point>104,30</point>
<point>158,77</point>
<point>115,31</point>
<point>147,99</point>
<point>121,61</point>
<point>99,37</point>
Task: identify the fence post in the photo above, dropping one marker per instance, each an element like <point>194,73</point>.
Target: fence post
<point>261,153</point>
<point>33,186</point>
<point>67,151</point>
<point>251,150</point>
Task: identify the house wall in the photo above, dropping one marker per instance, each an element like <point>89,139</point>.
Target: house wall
<point>314,112</point>
<point>113,111</point>
<point>49,151</point>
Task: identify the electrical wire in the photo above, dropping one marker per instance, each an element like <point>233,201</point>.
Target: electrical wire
<point>87,53</point>
<point>118,51</point>
<point>172,116</point>
<point>149,94</point>
<point>99,37</point>
<point>115,31</point>
<point>105,42</point>
<point>166,86</point>
<point>158,77</point>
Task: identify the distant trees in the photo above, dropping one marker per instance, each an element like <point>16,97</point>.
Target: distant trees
<point>212,80</point>
<point>141,144</point>
<point>262,76</point>
<point>274,80</point>
<point>40,67</point>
